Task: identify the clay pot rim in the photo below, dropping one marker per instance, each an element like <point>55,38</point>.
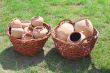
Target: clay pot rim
<point>34,17</point>
<point>79,33</point>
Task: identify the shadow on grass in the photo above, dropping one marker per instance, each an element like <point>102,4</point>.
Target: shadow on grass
<point>58,64</point>
<point>10,59</point>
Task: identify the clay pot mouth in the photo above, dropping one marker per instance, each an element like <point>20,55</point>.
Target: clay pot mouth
<point>75,36</point>
<point>10,30</point>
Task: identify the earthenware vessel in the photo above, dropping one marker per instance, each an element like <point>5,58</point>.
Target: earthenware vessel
<point>64,30</point>
<point>37,21</point>
<point>39,32</point>
<point>16,23</point>
<point>17,32</point>
<point>84,26</point>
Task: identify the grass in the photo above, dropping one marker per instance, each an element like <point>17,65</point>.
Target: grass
<point>53,11</point>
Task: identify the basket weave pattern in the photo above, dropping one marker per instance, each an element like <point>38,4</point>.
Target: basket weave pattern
<point>74,51</point>
<point>29,47</point>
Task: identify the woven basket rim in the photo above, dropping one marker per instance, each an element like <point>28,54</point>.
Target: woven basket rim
<point>64,42</point>
<point>39,39</point>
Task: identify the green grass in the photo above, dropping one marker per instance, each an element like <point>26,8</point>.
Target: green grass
<point>53,11</point>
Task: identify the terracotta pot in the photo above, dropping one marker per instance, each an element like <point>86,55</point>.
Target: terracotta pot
<point>84,26</point>
<point>62,36</point>
<point>44,31</point>
<point>25,24</point>
<point>31,28</point>
<point>16,24</point>
<point>39,32</point>
<point>37,21</point>
<point>27,30</point>
<point>76,37</point>
<point>17,32</point>
<point>27,36</point>
<point>64,30</point>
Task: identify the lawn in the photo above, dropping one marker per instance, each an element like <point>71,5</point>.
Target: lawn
<point>53,11</point>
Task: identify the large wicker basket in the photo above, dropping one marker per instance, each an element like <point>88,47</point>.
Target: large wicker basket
<point>29,47</point>
<point>75,51</point>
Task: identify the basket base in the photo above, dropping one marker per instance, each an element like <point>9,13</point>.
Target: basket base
<point>77,58</point>
<point>29,53</point>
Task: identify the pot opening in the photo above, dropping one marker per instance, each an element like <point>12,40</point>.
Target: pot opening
<point>75,36</point>
<point>10,30</point>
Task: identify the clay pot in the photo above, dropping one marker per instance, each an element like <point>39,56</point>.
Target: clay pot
<point>61,36</point>
<point>31,27</point>
<point>16,24</point>
<point>39,32</point>
<point>44,31</point>
<point>76,37</point>
<point>37,21</point>
<point>25,24</point>
<point>64,30</point>
<point>27,36</point>
<point>84,26</point>
<point>17,32</point>
<point>27,30</point>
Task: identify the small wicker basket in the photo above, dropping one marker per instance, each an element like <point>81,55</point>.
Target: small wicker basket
<point>74,51</point>
<point>29,47</point>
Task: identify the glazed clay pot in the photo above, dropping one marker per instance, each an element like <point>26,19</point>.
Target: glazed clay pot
<point>16,24</point>
<point>76,37</point>
<point>17,32</point>
<point>84,26</point>
<point>64,30</point>
<point>39,32</point>
<point>37,21</point>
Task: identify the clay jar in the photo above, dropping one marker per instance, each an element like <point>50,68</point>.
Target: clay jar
<point>16,28</point>
<point>27,36</point>
<point>64,30</point>
<point>17,32</point>
<point>39,32</point>
<point>25,24</point>
<point>16,23</point>
<point>27,30</point>
<point>76,37</point>
<point>84,26</point>
<point>37,21</point>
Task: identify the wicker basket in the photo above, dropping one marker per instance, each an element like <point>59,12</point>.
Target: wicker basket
<point>74,51</point>
<point>29,47</point>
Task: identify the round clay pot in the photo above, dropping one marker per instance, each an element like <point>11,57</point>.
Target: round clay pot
<point>31,28</point>
<point>37,21</point>
<point>17,32</point>
<point>61,35</point>
<point>76,37</point>
<point>25,24</point>
<point>27,30</point>
<point>39,32</point>
<point>27,36</point>
<point>64,30</point>
<point>16,23</point>
<point>84,26</point>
